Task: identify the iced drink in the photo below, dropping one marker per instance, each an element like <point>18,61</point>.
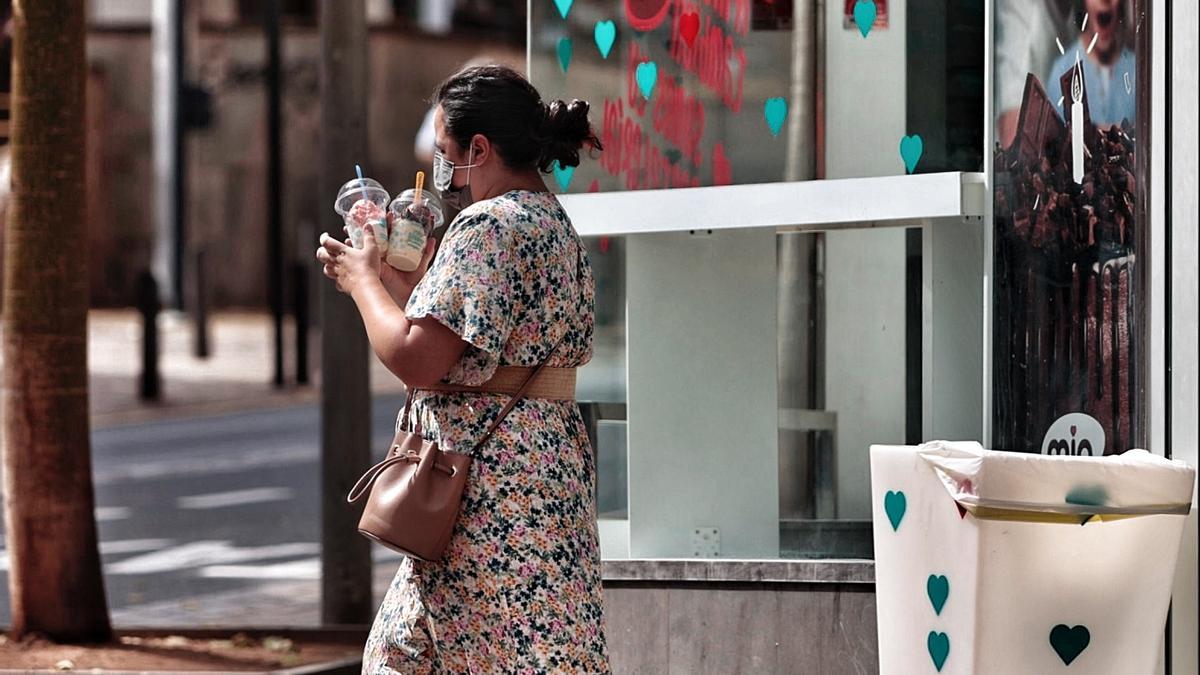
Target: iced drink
<point>361,202</point>
<point>415,215</point>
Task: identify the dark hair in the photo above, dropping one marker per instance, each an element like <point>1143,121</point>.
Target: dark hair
<point>500,103</point>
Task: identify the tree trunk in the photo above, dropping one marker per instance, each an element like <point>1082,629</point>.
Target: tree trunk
<point>55,578</point>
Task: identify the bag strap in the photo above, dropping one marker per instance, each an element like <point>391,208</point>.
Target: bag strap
<point>512,401</point>
<point>368,479</point>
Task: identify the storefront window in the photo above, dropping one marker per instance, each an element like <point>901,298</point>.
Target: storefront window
<point>818,333</point>
<point>848,326</point>
<point>710,92</point>
<point>1071,184</point>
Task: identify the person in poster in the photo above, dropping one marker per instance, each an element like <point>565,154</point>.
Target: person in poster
<point>1104,50</point>
<point>1067,289</point>
<point>1024,43</point>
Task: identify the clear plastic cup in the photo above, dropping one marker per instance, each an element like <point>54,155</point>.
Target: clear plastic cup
<point>412,223</point>
<point>362,201</point>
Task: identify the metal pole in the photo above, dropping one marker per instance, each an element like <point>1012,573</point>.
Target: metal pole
<point>798,459</point>
<point>178,134</point>
<point>345,394</point>
<point>801,136</point>
<point>148,306</point>
<point>165,37</point>
<point>200,301</point>
<point>300,272</point>
<point>274,184</point>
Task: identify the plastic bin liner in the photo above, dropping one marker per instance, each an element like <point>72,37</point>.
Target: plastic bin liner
<point>1052,488</point>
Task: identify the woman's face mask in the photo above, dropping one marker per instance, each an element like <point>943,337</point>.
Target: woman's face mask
<point>443,179</point>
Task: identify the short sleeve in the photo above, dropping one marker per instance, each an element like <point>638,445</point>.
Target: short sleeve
<point>469,289</point>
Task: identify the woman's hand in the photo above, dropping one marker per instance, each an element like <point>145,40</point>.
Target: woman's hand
<point>348,266</point>
<point>399,284</point>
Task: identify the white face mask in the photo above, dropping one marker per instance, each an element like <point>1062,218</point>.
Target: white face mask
<point>443,170</point>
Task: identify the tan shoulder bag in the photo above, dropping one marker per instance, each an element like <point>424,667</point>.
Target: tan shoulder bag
<point>416,492</point>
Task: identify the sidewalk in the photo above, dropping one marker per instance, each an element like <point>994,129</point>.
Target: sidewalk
<point>236,376</point>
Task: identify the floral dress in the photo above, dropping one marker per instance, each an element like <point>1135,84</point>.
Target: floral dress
<point>518,589</point>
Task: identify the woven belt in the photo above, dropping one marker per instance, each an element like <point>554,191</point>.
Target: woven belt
<point>552,383</point>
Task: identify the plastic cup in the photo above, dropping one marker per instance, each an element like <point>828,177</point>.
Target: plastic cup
<point>359,202</point>
<point>412,223</point>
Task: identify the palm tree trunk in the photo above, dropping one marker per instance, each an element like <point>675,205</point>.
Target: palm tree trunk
<point>55,581</point>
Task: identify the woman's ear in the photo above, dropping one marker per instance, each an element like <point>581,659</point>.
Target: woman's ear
<point>483,148</point>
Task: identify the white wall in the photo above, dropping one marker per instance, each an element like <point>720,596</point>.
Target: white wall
<point>865,95</point>
<point>952,330</point>
<point>703,400</point>
<point>864,269</point>
<point>864,353</point>
<point>1185,251</point>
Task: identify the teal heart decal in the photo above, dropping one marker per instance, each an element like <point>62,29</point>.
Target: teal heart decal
<point>647,77</point>
<point>938,588</point>
<point>1069,642</point>
<point>563,6</point>
<point>911,148</point>
<point>939,648</point>
<point>1088,495</point>
<point>775,110</point>
<point>895,503</point>
<point>605,34</point>
<point>565,48</point>
<point>864,15</point>
<point>563,175</point>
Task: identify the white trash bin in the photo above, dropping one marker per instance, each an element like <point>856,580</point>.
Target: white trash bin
<point>1009,563</point>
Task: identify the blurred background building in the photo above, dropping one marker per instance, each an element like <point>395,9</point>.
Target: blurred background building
<point>226,145</point>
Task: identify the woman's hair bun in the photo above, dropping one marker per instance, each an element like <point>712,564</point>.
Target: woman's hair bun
<point>566,131</point>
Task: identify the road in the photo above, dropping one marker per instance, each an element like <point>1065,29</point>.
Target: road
<point>213,507</point>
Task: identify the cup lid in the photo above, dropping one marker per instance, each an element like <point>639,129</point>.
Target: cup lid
<point>428,197</point>
<point>356,189</point>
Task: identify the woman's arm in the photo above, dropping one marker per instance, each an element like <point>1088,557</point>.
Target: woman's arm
<point>419,352</point>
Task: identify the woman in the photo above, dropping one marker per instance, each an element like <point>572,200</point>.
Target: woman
<point>518,589</point>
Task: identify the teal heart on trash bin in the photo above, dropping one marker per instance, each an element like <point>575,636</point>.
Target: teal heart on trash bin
<point>939,648</point>
<point>564,6</point>
<point>1069,642</point>
<point>563,175</point>
<point>938,588</point>
<point>911,149</point>
<point>864,15</point>
<point>895,503</point>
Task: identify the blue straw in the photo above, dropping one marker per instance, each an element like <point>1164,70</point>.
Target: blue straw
<point>358,170</point>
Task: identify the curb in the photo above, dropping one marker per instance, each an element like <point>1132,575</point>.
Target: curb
<point>345,666</point>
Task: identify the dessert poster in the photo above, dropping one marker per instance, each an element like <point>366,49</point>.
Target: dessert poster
<point>1071,93</point>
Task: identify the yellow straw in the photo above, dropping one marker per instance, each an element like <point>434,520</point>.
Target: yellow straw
<point>420,184</point>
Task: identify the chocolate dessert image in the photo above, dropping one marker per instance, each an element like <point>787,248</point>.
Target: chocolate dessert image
<point>1066,278</point>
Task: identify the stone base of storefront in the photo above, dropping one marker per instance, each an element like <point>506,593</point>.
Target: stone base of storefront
<point>726,616</point>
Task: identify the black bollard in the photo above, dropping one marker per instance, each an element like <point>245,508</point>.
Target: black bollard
<point>149,304</point>
<point>300,274</point>
<point>200,305</point>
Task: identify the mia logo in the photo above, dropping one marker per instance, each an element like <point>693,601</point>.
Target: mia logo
<point>1074,434</point>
